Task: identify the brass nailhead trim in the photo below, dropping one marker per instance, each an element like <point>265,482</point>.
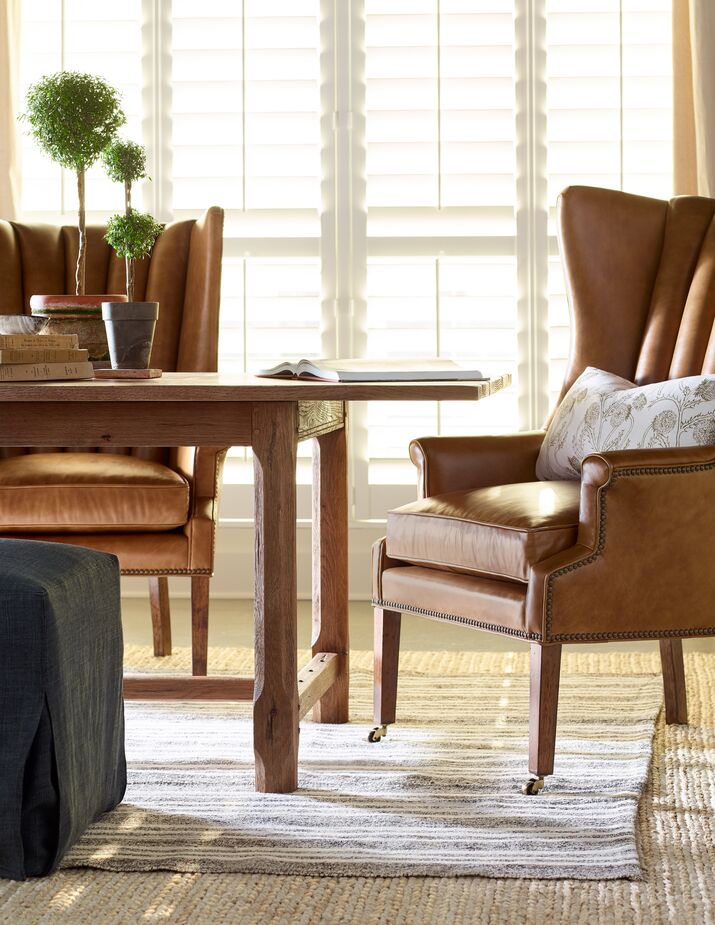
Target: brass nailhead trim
<point>644,634</point>
<point>451,618</point>
<point>218,484</point>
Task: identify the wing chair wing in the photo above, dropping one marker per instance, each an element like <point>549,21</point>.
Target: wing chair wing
<point>620,555</point>
<point>154,508</point>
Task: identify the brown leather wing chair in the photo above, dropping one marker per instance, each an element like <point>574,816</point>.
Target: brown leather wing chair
<point>626,553</point>
<point>154,508</point>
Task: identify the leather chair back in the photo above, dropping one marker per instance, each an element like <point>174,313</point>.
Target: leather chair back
<point>640,277</point>
<point>183,274</point>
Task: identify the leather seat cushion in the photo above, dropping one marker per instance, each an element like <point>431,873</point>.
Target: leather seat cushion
<point>497,532</point>
<point>99,492</point>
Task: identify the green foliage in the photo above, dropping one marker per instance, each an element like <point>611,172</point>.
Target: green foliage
<point>73,116</point>
<point>124,161</point>
<point>132,235</point>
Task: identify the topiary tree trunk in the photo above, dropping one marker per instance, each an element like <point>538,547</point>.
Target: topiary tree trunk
<point>128,262</point>
<point>82,225</point>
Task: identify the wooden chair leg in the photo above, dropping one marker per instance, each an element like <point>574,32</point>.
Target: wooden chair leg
<point>199,623</point>
<point>676,701</point>
<point>160,614</point>
<point>387,655</point>
<point>543,708</point>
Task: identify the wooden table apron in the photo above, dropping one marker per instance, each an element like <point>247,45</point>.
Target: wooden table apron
<point>271,418</point>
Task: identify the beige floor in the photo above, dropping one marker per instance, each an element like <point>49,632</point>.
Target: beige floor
<point>231,623</point>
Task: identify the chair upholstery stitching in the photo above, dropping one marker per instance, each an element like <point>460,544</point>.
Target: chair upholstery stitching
<point>452,618</point>
<point>486,523</point>
<point>166,571</point>
<point>218,463</point>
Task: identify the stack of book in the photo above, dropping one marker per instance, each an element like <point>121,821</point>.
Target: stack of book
<point>33,357</point>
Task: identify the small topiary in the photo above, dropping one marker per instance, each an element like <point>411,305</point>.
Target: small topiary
<point>132,236</point>
<point>73,116</point>
<point>125,162</point>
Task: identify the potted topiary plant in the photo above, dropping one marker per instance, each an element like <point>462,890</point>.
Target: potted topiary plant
<point>73,116</point>
<point>130,325</point>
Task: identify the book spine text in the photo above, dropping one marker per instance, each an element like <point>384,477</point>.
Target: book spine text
<point>52,355</point>
<point>37,371</point>
<point>39,341</point>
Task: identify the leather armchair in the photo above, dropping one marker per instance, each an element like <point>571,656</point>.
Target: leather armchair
<point>620,555</point>
<point>154,508</point>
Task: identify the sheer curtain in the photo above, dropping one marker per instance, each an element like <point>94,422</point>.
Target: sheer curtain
<point>9,107</point>
<point>694,96</point>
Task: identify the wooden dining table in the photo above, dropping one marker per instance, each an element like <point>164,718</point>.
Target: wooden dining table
<point>271,416</point>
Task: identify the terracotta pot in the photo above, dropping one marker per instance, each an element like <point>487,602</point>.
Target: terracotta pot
<point>77,314</point>
<point>130,332</point>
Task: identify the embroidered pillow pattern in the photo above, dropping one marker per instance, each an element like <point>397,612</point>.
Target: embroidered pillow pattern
<point>602,411</point>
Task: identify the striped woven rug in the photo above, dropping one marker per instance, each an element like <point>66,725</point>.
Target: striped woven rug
<point>439,796</point>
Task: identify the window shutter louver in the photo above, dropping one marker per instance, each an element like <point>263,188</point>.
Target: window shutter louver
<point>78,35</point>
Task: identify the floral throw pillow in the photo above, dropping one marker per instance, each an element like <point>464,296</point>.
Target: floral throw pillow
<point>602,411</point>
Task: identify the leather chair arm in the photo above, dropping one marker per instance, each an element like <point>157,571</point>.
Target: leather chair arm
<point>641,565</point>
<point>202,467</point>
<point>616,461</point>
<point>380,563</point>
<point>599,470</point>
<point>462,463</point>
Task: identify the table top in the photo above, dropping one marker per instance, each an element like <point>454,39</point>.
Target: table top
<point>242,387</point>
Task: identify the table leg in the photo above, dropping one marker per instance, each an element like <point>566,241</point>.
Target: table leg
<point>330,568</point>
<point>275,709</point>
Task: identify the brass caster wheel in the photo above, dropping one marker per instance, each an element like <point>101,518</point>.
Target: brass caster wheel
<point>379,732</point>
<point>532,787</point>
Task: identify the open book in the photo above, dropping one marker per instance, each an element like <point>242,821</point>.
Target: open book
<point>417,370</point>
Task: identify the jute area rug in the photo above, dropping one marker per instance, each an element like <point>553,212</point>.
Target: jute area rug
<point>440,795</point>
<point>676,841</point>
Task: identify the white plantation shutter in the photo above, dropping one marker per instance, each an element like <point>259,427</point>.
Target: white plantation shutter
<point>440,134</point>
<point>401,202</point>
<point>78,35</point>
<point>270,309</point>
<point>440,128</point>
<point>245,106</point>
<point>245,135</point>
<point>609,95</point>
<point>458,307</point>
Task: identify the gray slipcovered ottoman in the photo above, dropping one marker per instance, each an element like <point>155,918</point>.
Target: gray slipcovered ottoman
<point>61,710</point>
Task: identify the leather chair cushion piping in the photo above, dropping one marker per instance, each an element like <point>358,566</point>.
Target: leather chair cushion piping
<point>495,532</point>
<point>98,492</point>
